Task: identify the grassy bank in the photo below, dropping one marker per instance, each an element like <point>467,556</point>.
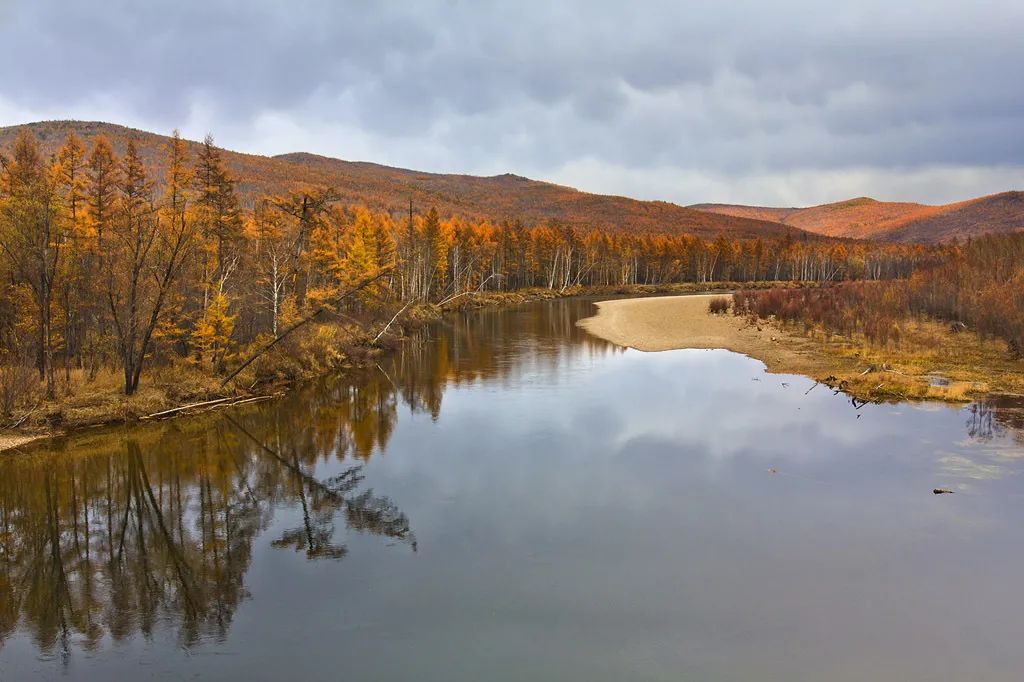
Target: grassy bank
<point>86,399</point>
<point>895,357</point>
<point>930,362</point>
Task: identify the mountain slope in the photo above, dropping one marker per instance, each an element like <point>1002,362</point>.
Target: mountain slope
<point>1003,212</point>
<point>865,218</point>
<point>503,197</point>
<point>778,215</point>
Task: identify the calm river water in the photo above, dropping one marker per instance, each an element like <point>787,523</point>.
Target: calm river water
<point>516,500</point>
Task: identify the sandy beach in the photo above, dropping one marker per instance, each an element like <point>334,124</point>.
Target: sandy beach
<point>673,322</point>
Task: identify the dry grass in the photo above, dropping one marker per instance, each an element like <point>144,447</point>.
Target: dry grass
<point>928,362</point>
<point>911,334</point>
<point>82,401</point>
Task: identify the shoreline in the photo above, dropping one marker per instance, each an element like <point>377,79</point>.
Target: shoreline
<point>118,410</point>
<point>112,408</point>
<point>906,373</point>
<point>679,322</point>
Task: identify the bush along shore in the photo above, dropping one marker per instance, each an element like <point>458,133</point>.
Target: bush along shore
<point>182,387</point>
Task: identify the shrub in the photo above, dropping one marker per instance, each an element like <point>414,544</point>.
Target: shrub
<point>979,286</point>
<point>718,305</point>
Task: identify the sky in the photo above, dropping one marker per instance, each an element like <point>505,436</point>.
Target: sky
<point>788,102</point>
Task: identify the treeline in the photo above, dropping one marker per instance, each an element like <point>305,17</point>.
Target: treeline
<point>106,267</point>
<point>978,286</point>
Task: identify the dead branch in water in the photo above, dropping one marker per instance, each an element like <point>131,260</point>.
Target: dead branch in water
<point>385,329</point>
<point>209,404</point>
<point>309,318</point>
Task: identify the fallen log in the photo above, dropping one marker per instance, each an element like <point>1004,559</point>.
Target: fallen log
<point>182,408</point>
<point>208,404</point>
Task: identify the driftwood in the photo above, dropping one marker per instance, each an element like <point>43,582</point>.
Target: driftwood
<point>209,404</point>
<point>306,320</point>
<point>183,408</point>
<point>24,418</point>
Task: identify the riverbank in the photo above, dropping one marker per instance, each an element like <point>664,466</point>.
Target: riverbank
<point>183,388</point>
<point>945,368</point>
<point>501,299</point>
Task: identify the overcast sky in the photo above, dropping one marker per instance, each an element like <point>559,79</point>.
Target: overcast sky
<point>783,102</point>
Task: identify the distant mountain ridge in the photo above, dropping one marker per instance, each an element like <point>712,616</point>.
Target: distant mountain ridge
<point>866,218</point>
<point>513,197</point>
<point>496,198</point>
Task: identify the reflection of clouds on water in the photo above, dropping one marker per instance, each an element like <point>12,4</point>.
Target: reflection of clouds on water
<point>711,395</point>
<point>960,466</point>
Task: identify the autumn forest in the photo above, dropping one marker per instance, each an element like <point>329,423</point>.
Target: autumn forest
<point>111,267</point>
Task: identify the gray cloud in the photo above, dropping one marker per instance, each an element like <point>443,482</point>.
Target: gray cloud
<point>745,101</point>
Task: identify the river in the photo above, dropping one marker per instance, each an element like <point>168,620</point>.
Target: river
<point>508,498</point>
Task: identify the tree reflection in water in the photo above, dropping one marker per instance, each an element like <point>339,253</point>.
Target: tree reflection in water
<point>130,533</point>
<point>994,416</point>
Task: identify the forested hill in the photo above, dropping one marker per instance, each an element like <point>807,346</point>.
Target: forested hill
<point>866,218</point>
<point>498,198</point>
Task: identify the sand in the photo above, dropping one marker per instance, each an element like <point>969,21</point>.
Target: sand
<point>10,441</point>
<point>674,322</point>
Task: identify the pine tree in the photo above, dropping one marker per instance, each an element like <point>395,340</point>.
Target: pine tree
<point>359,255</point>
<point>101,189</point>
<point>219,215</point>
<point>435,249</point>
<point>72,182</point>
<point>212,335</point>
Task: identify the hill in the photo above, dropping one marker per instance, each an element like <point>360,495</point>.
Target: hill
<point>1003,212</point>
<point>866,218</point>
<point>497,198</point>
<point>777,215</point>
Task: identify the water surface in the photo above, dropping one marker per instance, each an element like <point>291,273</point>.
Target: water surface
<point>515,500</point>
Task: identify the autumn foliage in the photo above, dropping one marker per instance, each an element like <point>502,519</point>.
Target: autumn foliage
<point>978,286</point>
<point>122,261</point>
<point>719,305</point>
